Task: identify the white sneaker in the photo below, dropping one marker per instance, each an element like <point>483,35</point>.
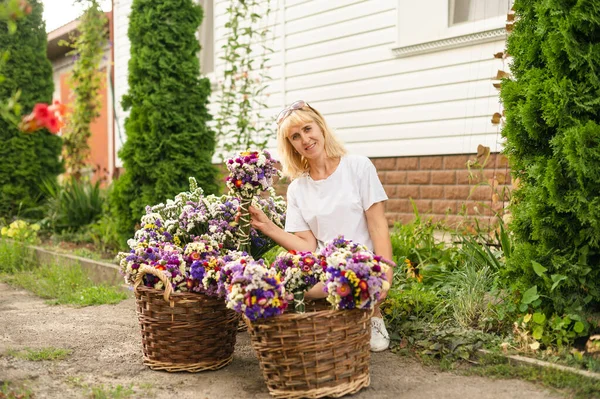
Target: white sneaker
<point>380,340</point>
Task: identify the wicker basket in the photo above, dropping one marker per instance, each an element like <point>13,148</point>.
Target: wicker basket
<point>314,354</point>
<point>183,331</point>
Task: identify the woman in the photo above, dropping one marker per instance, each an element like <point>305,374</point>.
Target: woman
<point>332,193</point>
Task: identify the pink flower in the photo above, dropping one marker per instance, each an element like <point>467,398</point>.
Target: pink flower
<point>343,290</point>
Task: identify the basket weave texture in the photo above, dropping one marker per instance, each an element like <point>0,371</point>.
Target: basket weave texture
<point>183,331</point>
<point>314,354</point>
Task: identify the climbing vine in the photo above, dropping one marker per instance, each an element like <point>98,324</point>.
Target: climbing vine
<point>86,81</point>
<point>240,123</point>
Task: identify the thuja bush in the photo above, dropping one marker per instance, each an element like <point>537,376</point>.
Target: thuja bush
<point>167,137</point>
<point>26,158</point>
<point>552,106</point>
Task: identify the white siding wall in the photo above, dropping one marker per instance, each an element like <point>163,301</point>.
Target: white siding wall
<point>121,10</point>
<point>337,55</point>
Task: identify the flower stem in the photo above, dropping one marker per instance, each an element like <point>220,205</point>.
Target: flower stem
<point>299,302</point>
<point>244,232</point>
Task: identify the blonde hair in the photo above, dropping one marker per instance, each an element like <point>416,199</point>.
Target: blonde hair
<point>294,164</point>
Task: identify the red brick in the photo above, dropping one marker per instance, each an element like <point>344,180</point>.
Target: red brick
<point>462,177</point>
<point>390,190</point>
<point>456,161</point>
<point>396,178</point>
<point>406,218</point>
<point>423,206</point>
<point>420,177</point>
<point>382,177</point>
<point>384,163</point>
<point>453,220</point>
<point>409,163</point>
<point>398,205</point>
<point>434,192</point>
<point>481,193</point>
<point>407,192</point>
<point>443,207</point>
<point>429,163</point>
<point>443,177</point>
<point>457,192</point>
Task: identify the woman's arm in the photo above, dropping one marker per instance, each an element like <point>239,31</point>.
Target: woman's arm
<point>380,235</point>
<point>299,241</point>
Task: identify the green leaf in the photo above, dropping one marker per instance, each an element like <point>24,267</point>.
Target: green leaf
<point>557,278</point>
<point>538,269</point>
<point>523,307</point>
<point>530,295</point>
<point>539,318</point>
<point>578,327</point>
<point>538,331</point>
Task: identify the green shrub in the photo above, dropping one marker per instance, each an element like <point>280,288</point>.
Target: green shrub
<point>553,145</point>
<point>168,139</point>
<point>26,158</point>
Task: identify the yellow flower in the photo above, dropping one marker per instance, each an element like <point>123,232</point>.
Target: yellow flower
<point>275,302</point>
<point>35,227</point>
<point>177,241</point>
<point>4,231</point>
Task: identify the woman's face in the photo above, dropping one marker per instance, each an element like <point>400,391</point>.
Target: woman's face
<point>307,139</point>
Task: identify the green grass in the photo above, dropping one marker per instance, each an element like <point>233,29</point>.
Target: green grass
<point>574,385</point>
<point>15,257</point>
<point>39,354</point>
<point>117,392</point>
<point>10,391</point>
<point>59,284</point>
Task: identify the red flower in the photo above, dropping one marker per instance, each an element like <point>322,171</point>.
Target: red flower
<point>293,252</point>
<point>52,124</point>
<point>238,183</point>
<point>309,261</point>
<point>41,112</point>
<point>343,290</point>
<point>363,285</point>
<point>195,255</point>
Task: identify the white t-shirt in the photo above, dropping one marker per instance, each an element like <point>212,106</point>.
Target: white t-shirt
<point>335,205</point>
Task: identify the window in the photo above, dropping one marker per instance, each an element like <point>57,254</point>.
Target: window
<point>460,11</point>
<point>434,25</point>
<point>206,35</point>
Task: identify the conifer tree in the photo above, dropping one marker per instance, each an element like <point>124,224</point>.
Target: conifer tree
<point>168,139</point>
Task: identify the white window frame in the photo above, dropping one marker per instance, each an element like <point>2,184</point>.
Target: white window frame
<point>210,75</point>
<point>423,28</point>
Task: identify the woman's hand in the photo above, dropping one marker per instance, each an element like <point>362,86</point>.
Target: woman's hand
<point>258,219</point>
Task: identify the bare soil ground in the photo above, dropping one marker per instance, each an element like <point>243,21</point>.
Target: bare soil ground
<point>106,351</point>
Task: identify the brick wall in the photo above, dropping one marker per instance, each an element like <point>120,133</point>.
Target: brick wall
<point>444,187</point>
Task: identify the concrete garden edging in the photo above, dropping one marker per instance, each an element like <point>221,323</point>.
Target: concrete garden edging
<point>99,272</point>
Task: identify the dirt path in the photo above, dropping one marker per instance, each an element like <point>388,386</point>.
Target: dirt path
<point>107,351</point>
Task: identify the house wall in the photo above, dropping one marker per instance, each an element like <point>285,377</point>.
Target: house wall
<point>99,158</point>
<point>398,101</point>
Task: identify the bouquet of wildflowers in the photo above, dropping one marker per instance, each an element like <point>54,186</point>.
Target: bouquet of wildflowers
<point>204,263</point>
<point>255,290</point>
<point>250,173</point>
<point>162,256</point>
<point>300,271</point>
<point>151,232</point>
<point>233,262</point>
<point>355,277</point>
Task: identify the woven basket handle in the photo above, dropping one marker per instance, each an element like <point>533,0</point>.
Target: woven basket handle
<point>145,269</point>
